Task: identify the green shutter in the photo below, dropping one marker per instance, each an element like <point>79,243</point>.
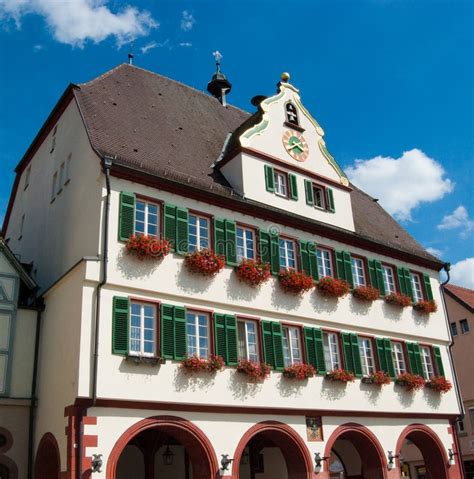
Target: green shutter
<point>308,188</point>
<point>379,343</point>
<point>356,355</point>
<point>310,346</point>
<point>267,339</point>
<point>126,216</point>
<point>313,262</point>
<point>293,187</point>
<point>275,253</point>
<point>379,273</point>
<point>180,343</point>
<point>372,273</point>
<point>417,354</point>
<point>219,236</point>
<point>346,256</point>
<point>401,280</point>
<point>347,350</point>
<point>120,322</point>
<point>182,218</point>
<point>330,200</point>
<point>169,227</point>
<point>265,255</point>
<point>341,274</point>
<point>231,338</point>
<point>389,358</point>
<point>269,178</point>
<point>439,361</point>
<point>319,345</point>
<point>411,358</point>
<point>278,345</point>
<point>304,257</point>
<point>405,280</point>
<point>230,243</point>
<point>428,290</point>
<point>167,331</point>
<point>219,335</point>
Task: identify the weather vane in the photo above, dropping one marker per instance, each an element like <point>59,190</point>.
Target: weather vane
<point>218,57</point>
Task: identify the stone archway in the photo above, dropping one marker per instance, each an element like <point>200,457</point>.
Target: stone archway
<point>430,446</point>
<point>279,436</point>
<point>48,459</point>
<point>358,443</point>
<point>198,448</point>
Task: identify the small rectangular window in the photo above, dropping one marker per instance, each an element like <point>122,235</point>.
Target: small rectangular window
<point>142,329</point>
<point>22,226</point>
<point>358,272</point>
<point>332,355</point>
<point>281,183</point>
<point>388,279</point>
<point>366,352</point>
<point>287,254</point>
<point>197,331</point>
<point>291,346</point>
<point>67,176</point>
<point>62,171</point>
<point>324,260</point>
<point>416,287</point>
<point>319,200</point>
<point>146,218</point>
<point>245,243</point>
<point>27,177</point>
<point>198,232</point>
<point>398,358</point>
<point>454,329</point>
<point>427,362</point>
<point>460,425</point>
<point>464,326</point>
<point>54,186</point>
<point>248,340</point>
<point>53,144</point>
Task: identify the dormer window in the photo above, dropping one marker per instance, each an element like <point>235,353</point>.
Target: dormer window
<point>292,114</point>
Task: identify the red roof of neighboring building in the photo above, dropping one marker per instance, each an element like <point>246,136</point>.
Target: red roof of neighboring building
<point>464,295</point>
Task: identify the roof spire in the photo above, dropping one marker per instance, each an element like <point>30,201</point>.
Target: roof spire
<point>219,86</point>
<point>130,55</point>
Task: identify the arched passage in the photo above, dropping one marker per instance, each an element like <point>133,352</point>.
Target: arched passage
<point>283,447</point>
<point>359,451</point>
<point>48,461</point>
<point>429,445</point>
<point>151,435</point>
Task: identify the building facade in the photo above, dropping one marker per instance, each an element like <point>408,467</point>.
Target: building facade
<point>460,308</point>
<point>151,213</point>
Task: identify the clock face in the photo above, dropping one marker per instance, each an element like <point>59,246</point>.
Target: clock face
<point>295,145</point>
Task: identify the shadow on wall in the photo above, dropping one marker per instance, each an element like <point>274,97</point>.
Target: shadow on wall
<point>371,392</point>
<point>133,268</point>
<point>242,387</point>
<point>191,282</point>
<point>405,398</point>
<point>333,390</point>
<point>358,307</point>
<point>391,312</point>
<point>284,301</point>
<point>291,387</point>
<point>240,291</point>
<point>420,319</point>
<point>193,381</point>
<point>323,304</point>
<point>432,398</point>
<point>130,368</point>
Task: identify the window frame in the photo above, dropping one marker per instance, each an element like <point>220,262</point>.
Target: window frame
<point>286,177</point>
<point>287,121</point>
<point>453,328</point>
<point>256,321</point>
<point>295,250</point>
<point>254,230</point>
<point>159,204</point>
<point>324,193</point>
<point>331,260</point>
<point>404,355</point>
<point>364,269</point>
<point>210,329</point>
<point>416,274</point>
<point>394,275</point>
<point>209,218</point>
<point>375,364</point>
<point>461,324</point>
<point>156,308</point>
<point>337,334</point>
<point>299,329</point>
<point>54,186</point>
<point>428,347</point>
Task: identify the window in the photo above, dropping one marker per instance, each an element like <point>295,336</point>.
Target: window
<point>332,355</point>
<point>27,177</point>
<point>471,416</point>
<point>427,362</point>
<point>248,340</point>
<point>366,352</point>
<point>398,358</point>
<point>416,287</point>
<point>388,279</point>
<point>245,243</point>
<point>454,329</point>
<point>146,218</point>
<point>62,178</point>
<point>358,272</point>
<point>142,329</point>
<point>53,139</point>
<point>197,329</point>
<point>291,345</point>
<point>54,185</point>
<point>67,177</point>
<point>291,114</point>
<point>281,183</point>
<point>22,225</point>
<point>460,425</point>
<point>464,326</point>
<point>324,260</point>
<point>318,194</point>
<point>198,232</point>
<point>287,254</point>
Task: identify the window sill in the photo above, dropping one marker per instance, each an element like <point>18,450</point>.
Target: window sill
<point>151,360</point>
<point>294,127</point>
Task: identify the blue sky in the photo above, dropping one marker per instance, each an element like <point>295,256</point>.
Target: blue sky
<point>391,82</point>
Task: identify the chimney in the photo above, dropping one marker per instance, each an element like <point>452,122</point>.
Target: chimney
<point>219,86</point>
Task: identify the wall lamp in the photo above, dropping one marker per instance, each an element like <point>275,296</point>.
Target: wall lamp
<point>318,460</point>
<point>96,463</point>
<point>451,455</point>
<point>391,459</point>
<point>225,462</point>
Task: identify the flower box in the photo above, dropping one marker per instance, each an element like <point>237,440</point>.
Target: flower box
<point>411,382</point>
<point>147,247</point>
<point>255,371</point>
<point>151,360</point>
<point>252,272</point>
<point>439,384</point>
<point>426,307</point>
<point>398,299</point>
<point>198,364</point>
<point>204,262</point>
<point>333,287</point>
<point>295,282</point>
<point>379,378</point>
<point>300,372</point>
<point>366,293</point>
<point>340,375</point>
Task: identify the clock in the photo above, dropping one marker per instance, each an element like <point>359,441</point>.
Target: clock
<point>295,145</point>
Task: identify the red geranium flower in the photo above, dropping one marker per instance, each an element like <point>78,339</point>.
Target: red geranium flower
<point>252,272</point>
<point>340,375</point>
<point>412,382</point>
<point>255,371</point>
<point>329,286</point>
<point>210,364</point>
<point>426,307</point>
<point>295,282</point>
<point>299,371</point>
<point>439,384</point>
<point>204,262</point>
<point>143,246</point>
<point>398,299</point>
<point>366,293</point>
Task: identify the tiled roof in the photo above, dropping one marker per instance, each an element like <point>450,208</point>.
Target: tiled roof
<point>465,295</point>
<point>165,128</point>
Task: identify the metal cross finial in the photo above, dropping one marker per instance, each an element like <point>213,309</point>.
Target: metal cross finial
<point>218,57</point>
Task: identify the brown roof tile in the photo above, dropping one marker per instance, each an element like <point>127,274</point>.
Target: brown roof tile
<point>464,294</point>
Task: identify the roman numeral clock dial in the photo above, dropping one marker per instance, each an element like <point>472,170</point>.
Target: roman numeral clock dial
<point>295,145</point>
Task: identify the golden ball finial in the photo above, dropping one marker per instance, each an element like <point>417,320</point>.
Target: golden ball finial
<point>285,76</point>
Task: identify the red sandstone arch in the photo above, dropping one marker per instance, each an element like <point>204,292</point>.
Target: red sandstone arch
<point>430,446</point>
<point>48,459</point>
<point>292,446</point>
<point>200,450</point>
<point>366,444</point>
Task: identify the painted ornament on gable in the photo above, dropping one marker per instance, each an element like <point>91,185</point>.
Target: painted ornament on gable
<point>295,145</point>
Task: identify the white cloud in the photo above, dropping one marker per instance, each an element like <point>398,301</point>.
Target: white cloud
<point>187,21</point>
<point>185,44</point>
<point>435,252</point>
<point>150,46</point>
<point>458,219</point>
<point>401,184</point>
<point>75,22</point>
<point>38,48</point>
<point>462,273</point>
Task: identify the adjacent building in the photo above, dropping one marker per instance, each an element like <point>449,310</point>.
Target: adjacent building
<point>148,212</point>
